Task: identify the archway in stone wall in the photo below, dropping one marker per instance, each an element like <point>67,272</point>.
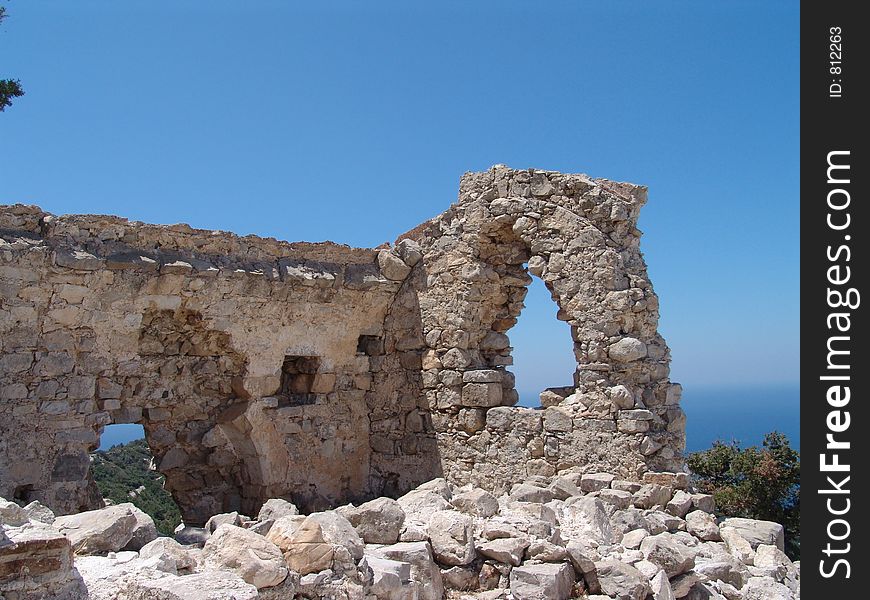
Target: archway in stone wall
<point>542,350</point>
<point>184,389</point>
<point>579,236</point>
<point>510,265</point>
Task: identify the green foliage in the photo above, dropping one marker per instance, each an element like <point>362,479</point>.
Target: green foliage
<point>755,483</point>
<point>124,468</point>
<point>9,88</point>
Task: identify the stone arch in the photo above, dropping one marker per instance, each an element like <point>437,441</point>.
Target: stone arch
<point>186,383</point>
<point>579,236</point>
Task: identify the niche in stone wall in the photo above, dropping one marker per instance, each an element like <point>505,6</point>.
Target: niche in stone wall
<point>543,351</point>
<point>24,494</point>
<point>370,345</point>
<point>297,379</point>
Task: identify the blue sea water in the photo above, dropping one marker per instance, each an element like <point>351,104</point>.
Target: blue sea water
<point>744,414</point>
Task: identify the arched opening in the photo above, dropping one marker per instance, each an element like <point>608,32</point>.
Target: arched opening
<point>123,469</point>
<point>543,351</point>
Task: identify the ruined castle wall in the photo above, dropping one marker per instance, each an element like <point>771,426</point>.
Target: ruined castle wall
<point>323,373</point>
<point>187,332</point>
<point>579,235</point>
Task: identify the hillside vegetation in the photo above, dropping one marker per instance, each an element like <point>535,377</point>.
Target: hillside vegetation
<point>122,474</point>
<point>756,483</point>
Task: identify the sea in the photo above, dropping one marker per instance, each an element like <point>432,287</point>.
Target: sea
<point>742,414</point>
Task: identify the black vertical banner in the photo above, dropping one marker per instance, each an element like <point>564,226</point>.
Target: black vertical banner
<point>834,226</point>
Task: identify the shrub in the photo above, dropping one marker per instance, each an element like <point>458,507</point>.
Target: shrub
<point>756,483</point>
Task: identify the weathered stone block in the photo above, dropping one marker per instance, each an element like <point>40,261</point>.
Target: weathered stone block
<point>481,394</point>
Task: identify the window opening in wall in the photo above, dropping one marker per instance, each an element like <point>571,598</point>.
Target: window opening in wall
<point>123,470</point>
<point>121,433</point>
<point>370,345</point>
<point>297,379</point>
<point>543,349</point>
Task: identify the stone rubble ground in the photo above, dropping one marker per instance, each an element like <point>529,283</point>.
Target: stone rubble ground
<point>551,538</point>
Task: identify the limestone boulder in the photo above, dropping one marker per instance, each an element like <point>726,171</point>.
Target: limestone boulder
<point>409,251</point>
<point>669,553</point>
<point>548,581</point>
<point>524,492</point>
<point>706,591</point>
<point>338,531</point>
<point>230,518</point>
<point>585,518</point>
<point>476,502</point>
<point>622,581</point>
<point>11,514</point>
<point>36,511</point>
<point>251,556</point>
<point>584,565</point>
<point>632,539</point>
<point>283,529</point>
<point>652,494</point>
<point>462,578</point>
<point>185,557</point>
<point>724,568</point>
<point>627,349</point>
<point>704,502</point>
<point>659,521</point>
<point>99,531</point>
<point>630,519</point>
<point>764,588</point>
<point>682,585</point>
<point>306,549</point>
<point>110,577</point>
<point>757,532</point>
<point>378,521</point>
<point>275,508</point>
<point>452,537</point>
<point>424,572</point>
<point>703,526</point>
<point>391,579</point>
<point>564,488</point>
<point>439,486</point>
<point>592,482</point>
<point>661,587</point>
<point>144,531</point>
<point>737,545</point>
<point>680,504</point>
<point>392,266</point>
<point>419,505</point>
<point>507,551</point>
<point>260,527</point>
<point>211,585</point>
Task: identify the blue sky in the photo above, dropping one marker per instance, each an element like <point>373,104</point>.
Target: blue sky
<point>350,122</point>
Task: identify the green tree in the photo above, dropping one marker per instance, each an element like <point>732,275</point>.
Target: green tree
<point>123,474</point>
<point>755,483</point>
<point>9,88</point>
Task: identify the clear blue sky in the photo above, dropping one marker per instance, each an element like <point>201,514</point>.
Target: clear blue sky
<point>350,122</point>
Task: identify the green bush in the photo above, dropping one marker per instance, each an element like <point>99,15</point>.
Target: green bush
<point>756,483</point>
<point>123,469</point>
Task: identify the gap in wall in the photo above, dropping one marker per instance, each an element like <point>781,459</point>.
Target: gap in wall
<point>543,351</point>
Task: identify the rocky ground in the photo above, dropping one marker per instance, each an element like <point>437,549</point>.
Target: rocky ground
<point>589,536</point>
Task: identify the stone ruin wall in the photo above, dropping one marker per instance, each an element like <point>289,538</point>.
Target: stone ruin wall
<point>323,373</point>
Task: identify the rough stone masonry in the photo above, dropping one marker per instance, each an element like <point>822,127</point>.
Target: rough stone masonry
<point>322,373</point>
